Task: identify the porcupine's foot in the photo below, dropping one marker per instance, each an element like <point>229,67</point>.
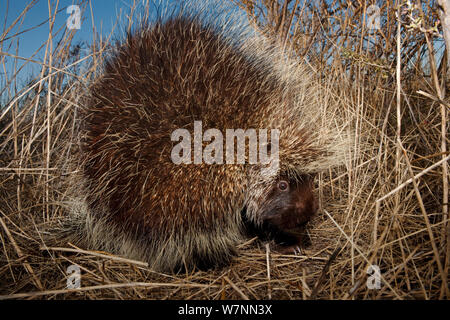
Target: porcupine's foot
<point>293,242</point>
<point>284,241</point>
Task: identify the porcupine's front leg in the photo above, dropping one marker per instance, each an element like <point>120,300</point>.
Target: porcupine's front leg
<point>294,242</point>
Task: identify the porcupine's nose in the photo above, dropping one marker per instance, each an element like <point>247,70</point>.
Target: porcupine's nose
<point>305,210</point>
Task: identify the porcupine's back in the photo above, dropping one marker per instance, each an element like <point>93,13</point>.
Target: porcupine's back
<point>161,79</point>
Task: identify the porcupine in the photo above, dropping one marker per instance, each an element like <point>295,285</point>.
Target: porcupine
<point>163,77</point>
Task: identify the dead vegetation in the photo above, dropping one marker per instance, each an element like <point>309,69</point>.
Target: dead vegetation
<point>388,207</point>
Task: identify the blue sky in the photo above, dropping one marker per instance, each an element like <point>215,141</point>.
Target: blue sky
<point>105,14</point>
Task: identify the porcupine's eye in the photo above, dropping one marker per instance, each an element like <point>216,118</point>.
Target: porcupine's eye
<point>283,185</point>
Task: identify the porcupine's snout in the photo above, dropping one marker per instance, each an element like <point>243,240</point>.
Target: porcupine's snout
<point>291,206</point>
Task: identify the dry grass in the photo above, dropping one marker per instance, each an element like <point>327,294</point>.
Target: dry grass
<point>388,206</point>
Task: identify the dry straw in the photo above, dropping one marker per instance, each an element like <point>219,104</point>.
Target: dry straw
<point>387,207</point>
